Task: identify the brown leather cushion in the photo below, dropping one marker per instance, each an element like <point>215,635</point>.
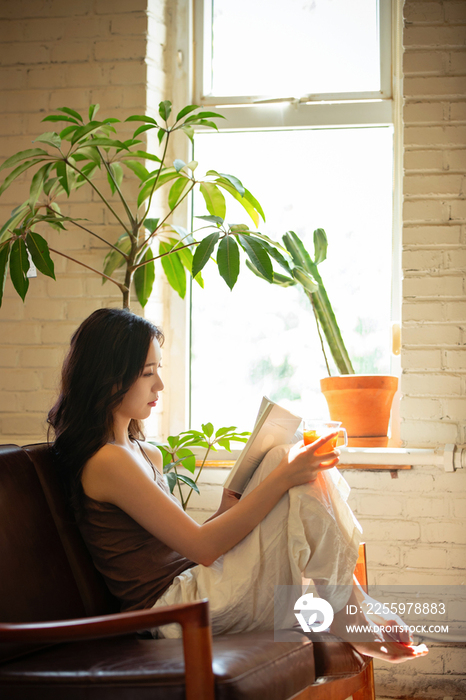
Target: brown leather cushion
<point>246,666</point>
<point>335,658</point>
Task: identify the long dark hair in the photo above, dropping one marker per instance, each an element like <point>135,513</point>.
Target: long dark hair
<point>107,354</point>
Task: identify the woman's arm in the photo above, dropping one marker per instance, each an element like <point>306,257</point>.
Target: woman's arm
<point>115,476</point>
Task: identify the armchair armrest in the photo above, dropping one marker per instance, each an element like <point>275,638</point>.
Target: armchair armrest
<point>193,618</point>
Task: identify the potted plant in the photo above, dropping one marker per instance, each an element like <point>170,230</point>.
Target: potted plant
<point>63,162</point>
<point>361,402</point>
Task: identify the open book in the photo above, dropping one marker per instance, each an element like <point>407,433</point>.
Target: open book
<point>274,426</point>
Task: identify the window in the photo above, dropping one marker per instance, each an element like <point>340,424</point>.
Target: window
<point>309,131</point>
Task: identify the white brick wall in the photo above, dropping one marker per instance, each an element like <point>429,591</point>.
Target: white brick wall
<point>434,230</point>
<point>62,53</point>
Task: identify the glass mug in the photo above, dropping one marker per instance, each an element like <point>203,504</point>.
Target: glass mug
<point>314,429</point>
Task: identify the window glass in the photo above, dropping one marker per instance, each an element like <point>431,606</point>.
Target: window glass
<point>260,338</point>
<point>293,48</point>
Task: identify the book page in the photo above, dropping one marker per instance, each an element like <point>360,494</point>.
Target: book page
<point>274,426</point>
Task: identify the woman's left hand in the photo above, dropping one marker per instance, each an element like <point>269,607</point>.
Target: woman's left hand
<point>229,499</point>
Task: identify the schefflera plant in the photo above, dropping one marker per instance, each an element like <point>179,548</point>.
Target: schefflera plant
<point>69,159</point>
<point>176,453</point>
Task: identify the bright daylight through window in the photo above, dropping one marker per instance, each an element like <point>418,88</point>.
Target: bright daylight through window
<point>333,171</point>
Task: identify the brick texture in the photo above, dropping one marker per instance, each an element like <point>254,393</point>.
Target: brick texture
<point>53,54</point>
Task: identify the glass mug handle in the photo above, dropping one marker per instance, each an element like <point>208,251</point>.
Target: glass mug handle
<point>345,437</point>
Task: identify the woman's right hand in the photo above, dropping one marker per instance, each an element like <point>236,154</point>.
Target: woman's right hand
<point>301,464</point>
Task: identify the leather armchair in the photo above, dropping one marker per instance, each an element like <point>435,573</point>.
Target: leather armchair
<point>86,649</point>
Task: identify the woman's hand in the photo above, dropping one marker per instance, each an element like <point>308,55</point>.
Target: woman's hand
<point>302,465</point>
<point>229,499</point>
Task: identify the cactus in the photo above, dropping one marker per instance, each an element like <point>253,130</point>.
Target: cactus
<point>302,269</point>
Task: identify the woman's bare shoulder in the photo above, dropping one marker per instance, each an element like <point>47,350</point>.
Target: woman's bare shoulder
<point>110,465</point>
<point>154,454</point>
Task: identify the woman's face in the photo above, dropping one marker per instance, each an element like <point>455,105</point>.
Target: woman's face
<point>142,396</point>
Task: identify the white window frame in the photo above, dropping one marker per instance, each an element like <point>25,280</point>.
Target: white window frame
<point>249,113</point>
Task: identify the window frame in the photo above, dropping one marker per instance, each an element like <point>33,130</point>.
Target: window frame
<point>353,109</point>
<point>203,65</point>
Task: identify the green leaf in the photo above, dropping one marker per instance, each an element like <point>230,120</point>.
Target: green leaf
<point>204,251</point>
<point>4,257</point>
<point>171,480</point>
<point>17,172</point>
<point>113,259</point>
<point>51,138</point>
<point>186,258</point>
<point>257,255</point>
<point>208,429</point>
<point>212,219</point>
<point>173,269</point>
<point>142,129</point>
<point>40,254</point>
<point>187,458</point>
<point>189,131</point>
<point>178,164</point>
<point>204,115</point>
<point>253,201</point>
<point>137,168</point>
<point>189,482</point>
<point>160,134</point>
<point>320,245</point>
<point>89,152</point>
<point>93,109</point>
<point>214,199</point>
<point>224,431</point>
<point>59,118</point>
<point>19,265</point>
<point>85,130</point>
<point>149,184</point>
<point>67,131</point>
<point>177,190</point>
<point>71,112</point>
<point>151,224</point>
<point>103,141</point>
<point>186,110</point>
<point>62,175</point>
<point>144,278</point>
<point>225,443</point>
<point>117,172</point>
<point>141,118</point>
<point>173,440</point>
<point>237,184</point>
<point>37,184</point>
<point>165,108</point>
<point>142,154</point>
<point>228,260</point>
<point>16,216</point>
<point>23,155</point>
<point>245,203</point>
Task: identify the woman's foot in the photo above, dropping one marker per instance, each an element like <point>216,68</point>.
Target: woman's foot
<point>393,652</point>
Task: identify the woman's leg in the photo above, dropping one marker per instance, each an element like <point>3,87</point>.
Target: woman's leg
<point>311,530</point>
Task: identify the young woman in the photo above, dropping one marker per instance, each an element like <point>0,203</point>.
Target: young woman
<point>292,520</point>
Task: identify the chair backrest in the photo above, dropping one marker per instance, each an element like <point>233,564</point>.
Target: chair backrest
<point>46,571</point>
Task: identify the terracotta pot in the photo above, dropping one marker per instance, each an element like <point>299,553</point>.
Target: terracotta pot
<point>362,402</point>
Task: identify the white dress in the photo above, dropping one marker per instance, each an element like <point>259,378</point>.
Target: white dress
<point>310,533</point>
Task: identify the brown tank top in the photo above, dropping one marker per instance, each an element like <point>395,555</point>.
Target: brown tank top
<point>137,567</point>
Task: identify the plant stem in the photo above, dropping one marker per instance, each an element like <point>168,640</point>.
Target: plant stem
<point>107,204</point>
<point>309,294</point>
<point>183,503</point>
<point>169,252</point>
<point>120,194</point>
<point>198,473</point>
<point>156,179</point>
<point>120,286</point>
<point>94,234</point>
<point>154,233</point>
